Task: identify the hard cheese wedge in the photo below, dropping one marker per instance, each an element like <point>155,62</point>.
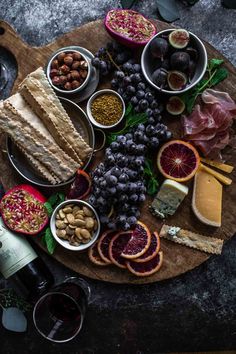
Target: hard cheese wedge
<point>168,198</point>
<point>207,198</point>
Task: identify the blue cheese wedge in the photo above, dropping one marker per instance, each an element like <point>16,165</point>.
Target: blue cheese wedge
<point>168,199</point>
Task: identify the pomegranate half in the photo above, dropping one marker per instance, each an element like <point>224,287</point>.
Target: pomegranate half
<point>22,209</point>
<point>129,27</point>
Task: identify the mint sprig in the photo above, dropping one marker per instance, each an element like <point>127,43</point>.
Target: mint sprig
<point>215,74</point>
<point>150,178</point>
<point>47,238</point>
<point>131,120</point>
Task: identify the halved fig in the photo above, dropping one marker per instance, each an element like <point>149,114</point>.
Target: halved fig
<point>152,250</point>
<point>159,47</point>
<point>103,245</point>
<point>159,77</point>
<point>94,255</point>
<point>116,247</point>
<point>175,105</point>
<point>147,268</point>
<point>180,61</point>
<point>129,27</point>
<point>176,80</point>
<point>179,38</point>
<point>138,243</point>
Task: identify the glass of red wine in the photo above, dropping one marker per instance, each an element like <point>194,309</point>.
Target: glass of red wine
<point>59,314</point>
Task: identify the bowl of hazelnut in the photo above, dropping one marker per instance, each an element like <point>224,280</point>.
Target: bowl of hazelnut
<point>68,71</point>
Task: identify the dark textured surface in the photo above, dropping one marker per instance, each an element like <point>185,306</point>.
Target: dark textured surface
<point>196,311</point>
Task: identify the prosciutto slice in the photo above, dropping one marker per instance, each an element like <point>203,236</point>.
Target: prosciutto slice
<point>208,126</point>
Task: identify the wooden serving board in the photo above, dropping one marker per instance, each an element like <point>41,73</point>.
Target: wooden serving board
<point>177,259</point>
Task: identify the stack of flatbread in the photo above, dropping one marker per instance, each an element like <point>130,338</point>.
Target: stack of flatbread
<point>38,124</point>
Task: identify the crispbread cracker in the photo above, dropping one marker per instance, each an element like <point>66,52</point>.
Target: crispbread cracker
<point>193,240</point>
<point>52,112</point>
<point>20,131</point>
<point>40,168</point>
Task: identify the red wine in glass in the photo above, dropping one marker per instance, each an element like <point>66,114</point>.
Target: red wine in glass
<point>58,315</point>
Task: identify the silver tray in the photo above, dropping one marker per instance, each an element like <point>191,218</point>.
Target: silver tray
<point>24,168</point>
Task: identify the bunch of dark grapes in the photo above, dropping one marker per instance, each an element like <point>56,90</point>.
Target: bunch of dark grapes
<point>118,183</point>
<point>110,57</point>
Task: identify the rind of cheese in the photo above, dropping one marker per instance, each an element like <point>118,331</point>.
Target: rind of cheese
<point>221,166</point>
<point>168,199</point>
<point>207,198</point>
<point>217,175</point>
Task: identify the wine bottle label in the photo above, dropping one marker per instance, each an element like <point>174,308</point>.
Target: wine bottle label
<point>15,252</point>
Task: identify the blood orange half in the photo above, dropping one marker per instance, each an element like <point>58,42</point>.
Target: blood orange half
<point>116,246</point>
<point>138,243</point>
<point>103,245</point>
<point>178,160</point>
<point>94,255</point>
<point>147,268</point>
<point>152,250</point>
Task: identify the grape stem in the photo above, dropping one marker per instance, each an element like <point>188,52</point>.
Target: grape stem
<point>111,59</point>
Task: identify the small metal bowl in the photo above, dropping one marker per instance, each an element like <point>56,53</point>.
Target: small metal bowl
<point>89,104</point>
<point>65,243</point>
<point>148,65</point>
<point>48,67</point>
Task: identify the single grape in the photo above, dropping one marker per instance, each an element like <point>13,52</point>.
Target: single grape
<point>140,94</point>
<point>151,120</point>
<point>143,104</point>
<point>114,84</point>
<point>141,86</point>
<point>153,142</point>
<point>114,146</point>
<point>136,68</point>
<point>154,104</point>
<point>96,62</point>
<point>119,75</point>
<point>130,90</point>
<point>150,130</point>
<point>134,101</point>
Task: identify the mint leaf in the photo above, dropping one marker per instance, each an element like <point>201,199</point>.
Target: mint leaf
<point>214,63</point>
<point>53,201</point>
<point>49,241</point>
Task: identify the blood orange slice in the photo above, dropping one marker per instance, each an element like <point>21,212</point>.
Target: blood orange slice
<point>147,268</point>
<point>117,244</point>
<point>103,245</point>
<point>178,160</point>
<point>94,255</point>
<point>152,250</point>
<point>81,186</point>
<point>138,243</point>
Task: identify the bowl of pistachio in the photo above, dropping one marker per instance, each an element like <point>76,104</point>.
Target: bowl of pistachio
<point>75,225</point>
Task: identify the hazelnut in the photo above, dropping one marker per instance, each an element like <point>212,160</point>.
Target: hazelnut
<point>75,75</point>
<point>77,56</point>
<point>67,86</point>
<point>83,64</point>
<point>63,79</point>
<point>69,77</point>
<point>61,56</point>
<point>64,69</point>
<point>75,65</point>
<point>56,80</point>
<point>83,74</point>
<point>53,72</point>
<point>55,64</point>
<point>68,60</point>
<point>75,84</point>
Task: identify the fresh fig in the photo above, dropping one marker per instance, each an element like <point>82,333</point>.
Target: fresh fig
<point>159,47</point>
<point>176,80</point>
<point>180,61</point>
<point>192,68</point>
<point>175,105</point>
<point>166,64</point>
<point>159,77</point>
<point>179,38</point>
<point>193,53</point>
<point>129,27</point>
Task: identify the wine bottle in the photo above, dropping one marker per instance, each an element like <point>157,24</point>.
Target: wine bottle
<point>20,262</point>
